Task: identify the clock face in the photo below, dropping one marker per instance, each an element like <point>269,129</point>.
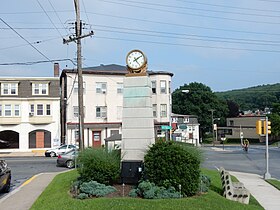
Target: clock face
<point>136,59</point>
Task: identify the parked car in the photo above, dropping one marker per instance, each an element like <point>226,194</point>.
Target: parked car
<point>67,159</point>
<point>4,144</point>
<point>5,177</point>
<point>60,150</point>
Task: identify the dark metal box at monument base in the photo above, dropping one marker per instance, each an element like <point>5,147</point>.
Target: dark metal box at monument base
<point>131,171</point>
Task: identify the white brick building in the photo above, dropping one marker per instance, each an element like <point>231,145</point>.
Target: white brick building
<point>103,101</point>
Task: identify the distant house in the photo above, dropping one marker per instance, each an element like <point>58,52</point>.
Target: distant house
<point>185,128</point>
<point>29,112</point>
<point>244,125</point>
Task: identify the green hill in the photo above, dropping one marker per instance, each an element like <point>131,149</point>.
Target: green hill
<point>253,98</point>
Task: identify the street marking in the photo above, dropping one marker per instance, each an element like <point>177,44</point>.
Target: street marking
<point>29,180</point>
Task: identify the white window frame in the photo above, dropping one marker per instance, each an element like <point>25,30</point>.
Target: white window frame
<point>119,87</point>
<point>162,86</point>
<point>8,110</point>
<point>48,110</point>
<point>76,87</point>
<point>101,87</point>
<point>154,87</point>
<point>40,88</point>
<point>102,113</point>
<point>76,111</point>
<point>39,109</point>
<point>163,110</point>
<point>154,110</point>
<point>9,88</point>
<point>17,110</point>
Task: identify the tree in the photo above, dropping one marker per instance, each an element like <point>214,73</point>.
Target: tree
<point>199,101</point>
<point>275,120</point>
<point>233,108</point>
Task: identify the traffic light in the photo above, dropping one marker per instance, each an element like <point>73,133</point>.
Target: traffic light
<point>259,127</point>
<point>268,127</point>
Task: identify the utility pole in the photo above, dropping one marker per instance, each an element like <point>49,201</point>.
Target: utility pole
<point>77,39</point>
<point>212,111</point>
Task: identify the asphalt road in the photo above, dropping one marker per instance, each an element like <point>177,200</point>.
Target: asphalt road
<point>233,158</point>
<point>24,168</point>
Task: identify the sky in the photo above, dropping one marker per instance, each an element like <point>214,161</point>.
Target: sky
<point>226,45</point>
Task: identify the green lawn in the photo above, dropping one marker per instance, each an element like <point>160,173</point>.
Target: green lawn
<point>56,196</point>
<point>274,182</point>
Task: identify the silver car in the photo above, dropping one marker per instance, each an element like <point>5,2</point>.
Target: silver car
<point>60,150</point>
<point>67,159</point>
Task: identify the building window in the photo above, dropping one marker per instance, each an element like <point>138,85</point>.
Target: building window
<point>0,109</point>
<point>162,86</point>
<point>76,111</point>
<point>9,88</point>
<point>154,110</point>
<point>101,87</point>
<point>40,109</point>
<point>76,87</point>
<point>16,109</point>
<point>8,110</point>
<point>40,89</point>
<point>169,87</point>
<point>154,87</point>
<point>31,109</point>
<point>101,111</point>
<point>119,112</point>
<point>48,109</point>
<point>163,110</point>
<point>119,87</point>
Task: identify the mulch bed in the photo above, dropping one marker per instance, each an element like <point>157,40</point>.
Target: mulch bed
<point>122,191</point>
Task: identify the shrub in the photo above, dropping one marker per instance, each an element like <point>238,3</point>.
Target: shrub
<point>99,164</point>
<point>149,190</point>
<point>93,188</point>
<point>172,165</point>
<point>83,190</point>
<point>204,184</point>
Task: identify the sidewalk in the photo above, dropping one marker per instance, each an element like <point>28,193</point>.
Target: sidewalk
<point>267,195</point>
<point>23,197</point>
<point>33,153</point>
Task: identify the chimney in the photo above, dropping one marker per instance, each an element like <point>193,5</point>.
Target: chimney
<point>56,70</point>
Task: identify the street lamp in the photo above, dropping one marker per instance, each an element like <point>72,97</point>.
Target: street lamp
<point>215,127</point>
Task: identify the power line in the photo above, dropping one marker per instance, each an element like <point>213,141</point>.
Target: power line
<point>36,62</point>
<point>266,42</point>
<point>159,34</point>
<point>200,9</point>
<point>193,14</point>
<point>231,7</point>
<point>36,42</point>
<point>186,26</point>
<point>49,17</point>
<point>190,45</point>
<point>57,16</point>
<point>25,39</point>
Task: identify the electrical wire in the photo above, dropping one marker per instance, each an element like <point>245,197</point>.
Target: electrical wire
<point>185,25</point>
<point>200,9</point>
<point>192,14</point>
<point>49,17</point>
<point>188,45</point>
<point>25,39</point>
<point>231,7</point>
<point>37,62</point>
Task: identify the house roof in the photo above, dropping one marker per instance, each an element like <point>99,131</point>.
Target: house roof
<point>111,69</point>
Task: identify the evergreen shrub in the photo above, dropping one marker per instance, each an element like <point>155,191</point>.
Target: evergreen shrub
<point>100,165</point>
<point>175,165</point>
<point>149,190</point>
